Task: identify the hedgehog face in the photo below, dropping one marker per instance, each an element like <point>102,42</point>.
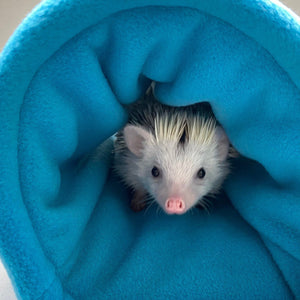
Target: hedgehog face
<point>185,174</point>
<point>177,173</point>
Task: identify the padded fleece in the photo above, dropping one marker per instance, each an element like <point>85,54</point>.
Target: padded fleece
<point>66,229</point>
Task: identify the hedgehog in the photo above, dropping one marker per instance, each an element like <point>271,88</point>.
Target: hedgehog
<point>176,156</point>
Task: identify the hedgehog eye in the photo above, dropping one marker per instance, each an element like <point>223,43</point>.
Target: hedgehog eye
<point>201,173</point>
<point>155,171</point>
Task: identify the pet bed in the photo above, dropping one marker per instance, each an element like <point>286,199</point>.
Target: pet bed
<point>66,228</point>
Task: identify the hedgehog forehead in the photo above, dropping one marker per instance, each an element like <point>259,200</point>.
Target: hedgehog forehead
<point>180,161</point>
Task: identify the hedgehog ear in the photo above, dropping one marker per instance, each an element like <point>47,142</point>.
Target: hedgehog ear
<point>222,141</point>
<point>134,138</point>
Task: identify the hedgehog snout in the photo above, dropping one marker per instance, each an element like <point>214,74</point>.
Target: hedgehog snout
<point>175,205</point>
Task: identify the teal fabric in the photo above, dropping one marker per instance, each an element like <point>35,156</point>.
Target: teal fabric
<point>66,229</point>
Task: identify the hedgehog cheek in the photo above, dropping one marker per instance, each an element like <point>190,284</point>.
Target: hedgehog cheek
<point>222,142</point>
<point>191,199</point>
<point>135,137</point>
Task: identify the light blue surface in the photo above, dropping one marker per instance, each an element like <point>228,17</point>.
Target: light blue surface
<point>66,230</point>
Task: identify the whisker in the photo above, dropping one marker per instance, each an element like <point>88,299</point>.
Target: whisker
<point>149,204</point>
<point>192,210</point>
<point>205,203</point>
<point>157,210</point>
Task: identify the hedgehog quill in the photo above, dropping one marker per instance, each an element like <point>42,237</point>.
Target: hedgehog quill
<point>174,155</point>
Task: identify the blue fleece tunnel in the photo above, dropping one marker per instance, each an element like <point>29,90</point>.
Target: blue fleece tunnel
<point>66,229</point>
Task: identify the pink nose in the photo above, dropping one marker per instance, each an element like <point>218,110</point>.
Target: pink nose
<point>175,206</point>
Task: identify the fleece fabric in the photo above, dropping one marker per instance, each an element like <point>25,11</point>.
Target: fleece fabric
<point>66,229</point>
